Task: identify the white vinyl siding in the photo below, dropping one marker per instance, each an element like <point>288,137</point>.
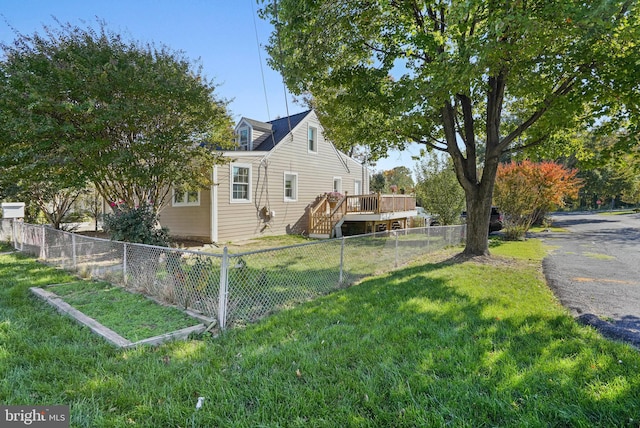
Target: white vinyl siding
<point>189,221</point>
<point>314,176</point>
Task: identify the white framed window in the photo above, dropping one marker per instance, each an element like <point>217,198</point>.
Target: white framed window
<point>244,136</point>
<point>185,198</point>
<point>240,182</point>
<point>337,184</point>
<point>290,186</point>
<point>312,139</point>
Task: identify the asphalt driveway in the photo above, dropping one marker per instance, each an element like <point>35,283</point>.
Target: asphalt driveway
<point>594,270</point>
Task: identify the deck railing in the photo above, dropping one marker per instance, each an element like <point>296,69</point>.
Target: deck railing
<point>376,203</point>
<point>326,214</point>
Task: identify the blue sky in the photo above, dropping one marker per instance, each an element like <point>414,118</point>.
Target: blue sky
<point>225,36</point>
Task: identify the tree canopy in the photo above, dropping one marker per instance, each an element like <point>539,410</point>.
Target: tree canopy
<point>474,78</point>
<point>85,105</point>
<point>400,177</point>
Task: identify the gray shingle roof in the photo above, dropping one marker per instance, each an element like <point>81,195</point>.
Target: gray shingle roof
<point>256,124</point>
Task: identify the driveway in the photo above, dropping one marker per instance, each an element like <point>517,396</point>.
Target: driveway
<point>594,270</point>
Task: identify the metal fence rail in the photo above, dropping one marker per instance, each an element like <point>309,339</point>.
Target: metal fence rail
<point>235,289</point>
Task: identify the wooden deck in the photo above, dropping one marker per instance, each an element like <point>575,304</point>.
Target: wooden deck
<point>326,214</point>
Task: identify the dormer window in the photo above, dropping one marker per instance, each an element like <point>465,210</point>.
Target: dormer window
<point>243,138</point>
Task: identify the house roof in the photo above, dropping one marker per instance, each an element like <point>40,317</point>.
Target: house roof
<point>279,128</point>
<point>256,124</point>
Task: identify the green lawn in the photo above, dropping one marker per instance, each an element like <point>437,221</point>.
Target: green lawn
<point>619,212</point>
<point>437,343</point>
<point>107,304</point>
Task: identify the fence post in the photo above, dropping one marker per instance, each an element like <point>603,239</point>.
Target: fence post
<point>14,236</point>
<point>124,263</point>
<point>341,277</point>
<point>43,254</point>
<point>73,250</point>
<point>224,286</point>
<point>396,262</point>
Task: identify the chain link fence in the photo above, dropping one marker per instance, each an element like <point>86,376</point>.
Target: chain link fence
<point>234,289</point>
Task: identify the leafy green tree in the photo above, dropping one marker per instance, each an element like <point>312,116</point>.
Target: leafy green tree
<point>438,189</point>
<point>608,175</point>
<point>631,195</point>
<point>94,108</point>
<point>378,182</point>
<point>465,77</point>
<point>49,191</point>
<point>605,184</point>
<point>401,178</point>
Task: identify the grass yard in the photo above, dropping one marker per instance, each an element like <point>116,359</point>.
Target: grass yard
<point>440,342</point>
<point>268,281</point>
<point>132,316</point>
<point>619,212</point>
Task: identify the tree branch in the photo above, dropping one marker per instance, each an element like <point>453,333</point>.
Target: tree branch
<point>434,145</point>
<point>465,171</point>
<point>417,14</point>
<point>563,89</point>
<point>468,120</point>
<point>495,98</point>
<point>524,146</point>
<point>401,53</point>
<point>431,141</point>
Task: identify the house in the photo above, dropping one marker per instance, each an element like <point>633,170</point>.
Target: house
<point>279,173</point>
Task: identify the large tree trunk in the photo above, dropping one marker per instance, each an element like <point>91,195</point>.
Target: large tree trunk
<point>478,216</point>
<point>478,193</point>
<point>479,200</point>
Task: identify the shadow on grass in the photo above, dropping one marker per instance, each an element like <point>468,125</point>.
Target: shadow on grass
<point>412,345</point>
<point>429,345</point>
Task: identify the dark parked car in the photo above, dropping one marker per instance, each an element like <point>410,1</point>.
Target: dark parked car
<point>495,221</point>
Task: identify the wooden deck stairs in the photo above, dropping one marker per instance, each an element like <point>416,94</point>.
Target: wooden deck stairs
<point>327,215</point>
